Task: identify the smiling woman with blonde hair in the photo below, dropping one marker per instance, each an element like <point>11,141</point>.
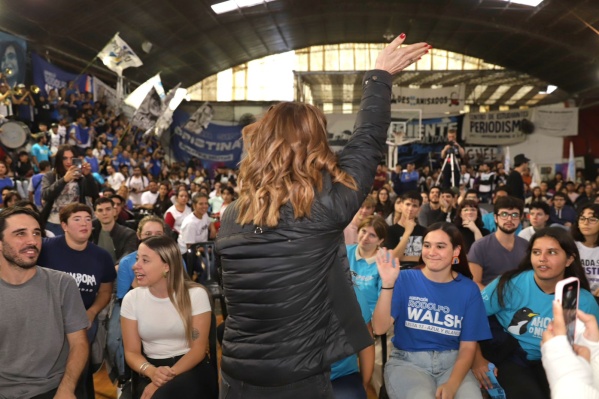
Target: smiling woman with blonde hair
<point>168,316</point>
<point>285,274</point>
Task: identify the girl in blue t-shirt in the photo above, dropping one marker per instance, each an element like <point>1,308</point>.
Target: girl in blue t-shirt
<point>521,302</point>
<point>438,317</point>
<point>5,181</point>
<point>372,232</point>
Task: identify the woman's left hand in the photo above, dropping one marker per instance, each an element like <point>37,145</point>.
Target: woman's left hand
<point>445,391</point>
<point>149,391</point>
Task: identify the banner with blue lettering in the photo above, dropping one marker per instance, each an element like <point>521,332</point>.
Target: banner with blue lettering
<point>48,76</point>
<point>216,145</point>
<point>13,52</point>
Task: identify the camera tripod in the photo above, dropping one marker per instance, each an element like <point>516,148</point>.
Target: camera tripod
<point>452,160</point>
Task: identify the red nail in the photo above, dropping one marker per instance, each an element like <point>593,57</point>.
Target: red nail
<point>402,35</point>
<point>426,52</point>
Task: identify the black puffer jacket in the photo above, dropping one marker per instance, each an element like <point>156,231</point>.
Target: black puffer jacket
<point>292,310</point>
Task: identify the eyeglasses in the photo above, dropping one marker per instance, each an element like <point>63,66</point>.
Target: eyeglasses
<point>505,215</point>
<point>591,220</point>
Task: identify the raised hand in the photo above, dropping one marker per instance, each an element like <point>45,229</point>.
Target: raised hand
<point>388,268</point>
<point>394,59</point>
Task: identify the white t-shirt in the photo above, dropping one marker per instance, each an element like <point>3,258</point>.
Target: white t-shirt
<point>149,198</point>
<point>527,233</point>
<point>115,180</point>
<point>193,230</point>
<point>589,257</point>
<point>178,216</point>
<point>159,325</point>
<point>138,183</point>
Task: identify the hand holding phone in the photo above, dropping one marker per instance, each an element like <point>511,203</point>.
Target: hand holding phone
<point>567,292</point>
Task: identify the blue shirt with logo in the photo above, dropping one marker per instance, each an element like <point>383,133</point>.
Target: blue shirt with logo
<point>431,316</point>
<point>528,310</point>
<point>365,276</point>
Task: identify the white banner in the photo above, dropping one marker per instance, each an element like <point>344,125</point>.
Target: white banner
<point>555,122</point>
<point>430,101</point>
<point>495,128</point>
<point>479,155</point>
<point>117,55</point>
<point>102,90</point>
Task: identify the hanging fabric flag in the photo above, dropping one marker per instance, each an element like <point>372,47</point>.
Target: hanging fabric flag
<point>117,55</point>
<point>571,176</point>
<point>171,101</point>
<point>508,160</point>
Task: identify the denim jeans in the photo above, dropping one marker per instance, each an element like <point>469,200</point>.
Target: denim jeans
<point>114,341</point>
<point>416,375</point>
<point>315,387</point>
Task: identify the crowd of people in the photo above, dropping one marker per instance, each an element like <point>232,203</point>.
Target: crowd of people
<point>327,261</point>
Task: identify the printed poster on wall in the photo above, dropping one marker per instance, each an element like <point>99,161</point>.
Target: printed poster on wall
<point>430,101</point>
<point>555,122</point>
<point>13,51</point>
<point>495,128</point>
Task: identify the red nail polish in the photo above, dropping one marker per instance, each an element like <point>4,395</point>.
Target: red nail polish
<point>402,35</point>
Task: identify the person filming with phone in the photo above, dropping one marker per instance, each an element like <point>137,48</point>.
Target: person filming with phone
<point>570,368</point>
<point>71,181</point>
<point>520,302</point>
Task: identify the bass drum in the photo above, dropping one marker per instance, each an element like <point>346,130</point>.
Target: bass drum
<point>14,134</point>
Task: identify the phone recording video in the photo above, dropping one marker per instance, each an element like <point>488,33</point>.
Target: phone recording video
<point>567,292</point>
<point>78,162</point>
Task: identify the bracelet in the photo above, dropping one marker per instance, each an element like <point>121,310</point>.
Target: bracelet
<point>143,367</point>
<point>387,288</point>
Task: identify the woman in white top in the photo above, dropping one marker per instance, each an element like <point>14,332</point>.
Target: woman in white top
<point>585,232</point>
<point>175,214</point>
<point>168,316</point>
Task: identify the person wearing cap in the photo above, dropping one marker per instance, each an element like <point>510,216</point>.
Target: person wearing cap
<point>515,183</point>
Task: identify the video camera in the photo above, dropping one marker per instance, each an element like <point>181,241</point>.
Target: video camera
<point>453,148</point>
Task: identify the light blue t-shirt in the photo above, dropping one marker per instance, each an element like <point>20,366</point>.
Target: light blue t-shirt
<point>528,310</point>
<point>432,316</point>
<point>365,275</point>
<point>349,365</point>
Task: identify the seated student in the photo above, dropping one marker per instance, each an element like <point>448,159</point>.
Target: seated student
<point>351,231</point>
<point>521,301</point>
<point>371,234</point>
<point>469,221</point>
<point>585,232</point>
<point>561,214</point>
<point>489,218</point>
<point>569,375</point>
<point>404,237</point>
<point>165,323</point>
<point>500,251</point>
<point>438,316</point>
<point>447,206</point>
<point>349,381</point>
<point>539,216</point>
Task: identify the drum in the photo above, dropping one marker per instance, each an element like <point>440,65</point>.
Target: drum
<point>14,134</point>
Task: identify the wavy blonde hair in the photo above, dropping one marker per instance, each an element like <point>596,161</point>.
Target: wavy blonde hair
<point>178,282</point>
<point>287,152</point>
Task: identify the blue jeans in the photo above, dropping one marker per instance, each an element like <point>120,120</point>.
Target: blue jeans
<point>316,387</point>
<point>114,340</point>
<point>417,375</point>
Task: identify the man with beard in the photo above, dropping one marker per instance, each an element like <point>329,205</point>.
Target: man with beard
<point>430,212</point>
<point>91,267</point>
<point>495,254</point>
<point>44,346</point>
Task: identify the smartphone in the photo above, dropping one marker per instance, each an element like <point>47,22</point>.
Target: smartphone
<point>78,162</point>
<point>567,292</point>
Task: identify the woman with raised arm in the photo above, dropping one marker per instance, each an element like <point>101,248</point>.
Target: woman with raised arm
<point>438,315</point>
<point>292,310</point>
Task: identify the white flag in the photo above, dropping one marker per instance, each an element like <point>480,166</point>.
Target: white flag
<point>117,55</point>
<point>571,165</point>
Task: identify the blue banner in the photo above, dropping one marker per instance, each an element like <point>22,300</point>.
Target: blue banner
<point>48,76</point>
<point>13,51</point>
<point>215,145</point>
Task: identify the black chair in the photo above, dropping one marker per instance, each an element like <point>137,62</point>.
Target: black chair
<point>201,258</point>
